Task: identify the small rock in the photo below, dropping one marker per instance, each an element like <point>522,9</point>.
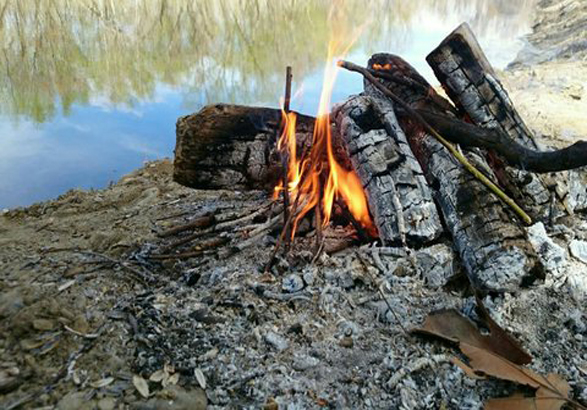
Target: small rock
<point>309,275</point>
<point>576,322</point>
<point>9,380</point>
<point>277,341</point>
<point>579,250</point>
<point>304,362</point>
<point>552,256</point>
<point>107,403</point>
<point>43,324</point>
<point>178,398</point>
<point>271,404</point>
<point>292,283</point>
<point>10,303</point>
<point>436,265</point>
<point>347,342</point>
<point>74,401</point>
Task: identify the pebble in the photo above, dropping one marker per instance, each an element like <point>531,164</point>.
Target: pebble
<point>304,362</point>
<point>74,401</point>
<point>579,250</point>
<point>552,256</point>
<point>107,403</point>
<point>43,324</point>
<point>179,399</point>
<point>309,275</point>
<point>278,342</point>
<point>292,283</point>
<point>347,342</point>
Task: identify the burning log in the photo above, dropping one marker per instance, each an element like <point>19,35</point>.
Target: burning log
<point>231,147</point>
<point>494,250</point>
<point>399,198</point>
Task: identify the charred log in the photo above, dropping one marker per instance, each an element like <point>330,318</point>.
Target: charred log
<point>231,147</point>
<point>469,79</point>
<point>399,198</point>
<point>514,153</point>
<point>493,249</point>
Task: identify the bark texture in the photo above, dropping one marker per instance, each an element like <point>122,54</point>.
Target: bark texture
<point>468,78</point>
<point>399,198</point>
<point>231,147</point>
<point>493,247</point>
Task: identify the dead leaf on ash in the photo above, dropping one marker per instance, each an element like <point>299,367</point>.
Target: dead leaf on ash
<point>496,355</point>
<point>451,325</point>
<point>200,378</point>
<point>102,382</point>
<point>141,385</point>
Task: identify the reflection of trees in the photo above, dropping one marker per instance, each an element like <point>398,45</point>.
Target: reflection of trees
<point>61,52</point>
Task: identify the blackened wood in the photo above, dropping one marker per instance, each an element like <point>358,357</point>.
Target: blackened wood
<point>231,147</point>
<point>470,81</point>
<point>513,152</point>
<point>399,198</point>
<point>494,250</point>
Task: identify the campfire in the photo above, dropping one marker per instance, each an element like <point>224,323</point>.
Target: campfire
<point>399,170</point>
<point>398,165</point>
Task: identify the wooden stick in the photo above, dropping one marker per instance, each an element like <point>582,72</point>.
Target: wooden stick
<point>285,158</point>
<point>201,222</point>
<point>460,157</point>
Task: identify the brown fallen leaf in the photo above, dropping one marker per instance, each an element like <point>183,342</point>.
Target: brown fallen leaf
<point>451,325</point>
<point>141,385</point>
<point>552,391</point>
<point>503,344</point>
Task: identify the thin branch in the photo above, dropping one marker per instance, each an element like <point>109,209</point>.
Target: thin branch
<point>460,157</point>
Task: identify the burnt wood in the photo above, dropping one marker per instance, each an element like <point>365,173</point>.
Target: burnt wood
<point>470,81</point>
<point>399,198</point>
<point>493,248</point>
<point>231,147</point>
<point>514,153</point>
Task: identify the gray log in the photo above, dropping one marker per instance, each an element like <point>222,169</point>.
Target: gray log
<point>399,198</point>
<point>470,81</point>
<point>493,247</point>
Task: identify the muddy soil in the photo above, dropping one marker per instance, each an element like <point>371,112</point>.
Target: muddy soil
<point>87,322</point>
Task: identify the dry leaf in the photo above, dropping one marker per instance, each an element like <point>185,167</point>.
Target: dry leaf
<point>158,376</point>
<point>141,385</point>
<point>502,343</point>
<point>552,391</point>
<point>102,382</point>
<point>200,378</point>
<point>173,379</point>
<point>451,325</point>
<point>469,371</point>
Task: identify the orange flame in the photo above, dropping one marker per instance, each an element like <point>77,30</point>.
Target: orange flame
<point>318,178</point>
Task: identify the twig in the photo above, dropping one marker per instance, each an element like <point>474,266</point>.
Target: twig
<point>217,228</point>
<point>201,222</point>
<point>196,251</point>
<point>138,274</point>
<point>460,157</point>
<point>285,157</point>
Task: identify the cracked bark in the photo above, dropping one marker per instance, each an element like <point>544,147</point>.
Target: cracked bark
<point>231,147</point>
<point>399,198</point>
<point>493,248</point>
<point>469,79</point>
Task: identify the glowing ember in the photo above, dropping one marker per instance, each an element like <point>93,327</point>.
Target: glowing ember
<point>317,179</point>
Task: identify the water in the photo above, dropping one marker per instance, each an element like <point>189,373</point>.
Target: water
<point>90,89</point>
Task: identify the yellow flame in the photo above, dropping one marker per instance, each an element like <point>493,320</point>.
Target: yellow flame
<point>325,178</point>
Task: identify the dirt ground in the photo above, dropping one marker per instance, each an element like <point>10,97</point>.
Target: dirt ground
<point>87,322</point>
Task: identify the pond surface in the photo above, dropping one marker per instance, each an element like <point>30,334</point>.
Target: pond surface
<point>90,89</point>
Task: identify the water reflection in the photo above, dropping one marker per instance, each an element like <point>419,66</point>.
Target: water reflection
<point>93,87</point>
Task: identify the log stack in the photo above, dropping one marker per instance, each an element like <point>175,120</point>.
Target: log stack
<point>417,191</point>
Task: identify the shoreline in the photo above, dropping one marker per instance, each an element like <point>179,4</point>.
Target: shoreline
<point>213,318</point>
